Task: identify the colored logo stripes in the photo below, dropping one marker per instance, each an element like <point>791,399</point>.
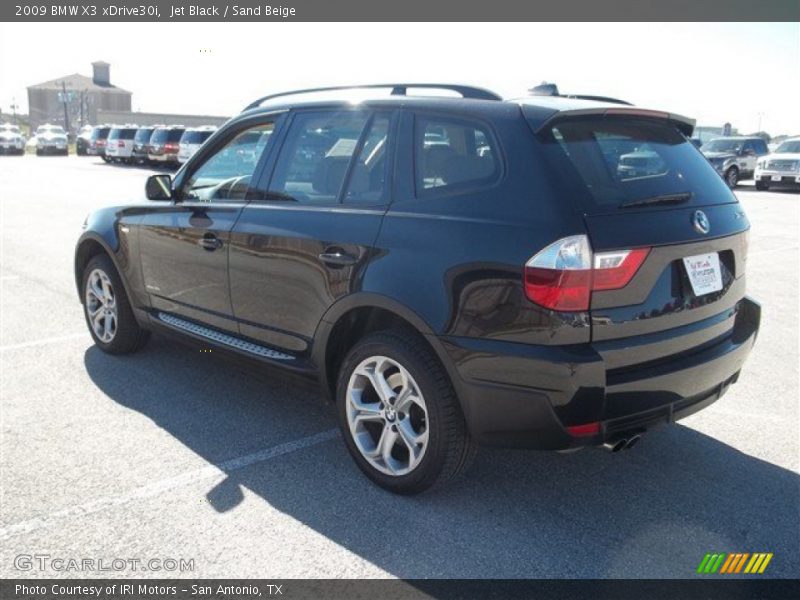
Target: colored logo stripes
<point>735,562</point>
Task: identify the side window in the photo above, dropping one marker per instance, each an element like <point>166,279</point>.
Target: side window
<point>316,156</point>
<point>761,147</point>
<point>367,180</point>
<point>226,174</point>
<point>453,154</point>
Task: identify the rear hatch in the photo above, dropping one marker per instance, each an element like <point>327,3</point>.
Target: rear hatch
<point>641,185</point>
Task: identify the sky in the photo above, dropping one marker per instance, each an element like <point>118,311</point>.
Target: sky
<point>746,73</point>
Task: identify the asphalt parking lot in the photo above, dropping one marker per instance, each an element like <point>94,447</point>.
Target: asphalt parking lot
<point>171,453</point>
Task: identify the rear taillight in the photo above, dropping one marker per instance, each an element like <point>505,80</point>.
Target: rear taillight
<point>120,144</point>
<point>563,276</point>
<point>101,142</point>
<point>170,147</point>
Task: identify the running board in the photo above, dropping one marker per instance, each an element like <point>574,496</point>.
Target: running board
<point>222,338</point>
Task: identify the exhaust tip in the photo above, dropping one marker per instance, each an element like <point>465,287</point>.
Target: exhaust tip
<point>632,441</point>
<point>615,445</point>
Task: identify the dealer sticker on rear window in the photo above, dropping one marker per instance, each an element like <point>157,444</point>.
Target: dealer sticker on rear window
<point>704,273</point>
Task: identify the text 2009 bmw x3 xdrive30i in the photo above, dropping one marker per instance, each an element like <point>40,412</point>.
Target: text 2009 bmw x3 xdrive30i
<point>454,271</point>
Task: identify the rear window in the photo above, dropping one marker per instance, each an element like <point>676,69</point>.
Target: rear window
<point>174,135</point>
<point>143,135</point>
<point>100,133</point>
<point>196,137</point>
<point>114,134</point>
<point>159,136</point>
<point>618,162</point>
<point>127,134</point>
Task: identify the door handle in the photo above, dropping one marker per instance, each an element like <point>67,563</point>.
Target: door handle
<point>210,242</point>
<point>336,257</point>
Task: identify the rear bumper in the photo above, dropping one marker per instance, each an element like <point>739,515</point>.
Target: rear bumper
<point>517,395</point>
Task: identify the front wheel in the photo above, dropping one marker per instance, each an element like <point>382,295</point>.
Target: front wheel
<point>107,309</point>
<point>732,177</point>
<point>399,416</point>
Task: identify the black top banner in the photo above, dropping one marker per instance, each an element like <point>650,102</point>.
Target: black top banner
<point>401,10</point>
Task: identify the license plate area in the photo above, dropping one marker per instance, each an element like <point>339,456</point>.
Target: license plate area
<point>704,273</point>
<point>776,178</point>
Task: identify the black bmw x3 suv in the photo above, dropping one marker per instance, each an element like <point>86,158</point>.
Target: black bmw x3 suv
<point>453,271</point>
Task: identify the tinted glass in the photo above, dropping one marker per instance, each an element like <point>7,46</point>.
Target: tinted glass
<point>143,136</point>
<point>621,160</point>
<point>316,155</point>
<point>99,133</point>
<point>195,137</point>
<point>226,174</point>
<point>159,136</point>
<point>174,135</point>
<point>453,154</point>
<point>127,134</point>
<point>367,180</point>
<point>114,134</point>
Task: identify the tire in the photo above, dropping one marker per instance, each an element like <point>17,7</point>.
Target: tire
<point>122,334</point>
<point>732,177</point>
<point>38,152</point>
<point>445,449</point>
<point>762,186</point>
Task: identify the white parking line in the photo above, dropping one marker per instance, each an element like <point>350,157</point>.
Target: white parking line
<point>159,487</point>
<point>45,341</point>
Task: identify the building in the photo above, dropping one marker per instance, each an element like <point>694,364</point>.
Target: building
<point>145,118</point>
<point>82,97</point>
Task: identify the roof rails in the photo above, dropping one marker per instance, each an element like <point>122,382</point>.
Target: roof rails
<point>398,89</point>
<point>551,89</point>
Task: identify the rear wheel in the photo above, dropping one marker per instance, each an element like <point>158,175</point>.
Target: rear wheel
<point>762,186</point>
<point>399,415</point>
<point>732,177</point>
<point>107,310</point>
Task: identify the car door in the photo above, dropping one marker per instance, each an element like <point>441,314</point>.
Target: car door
<point>308,244</point>
<point>184,244</point>
<point>747,161</point>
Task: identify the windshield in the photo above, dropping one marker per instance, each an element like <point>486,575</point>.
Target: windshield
<point>10,128</point>
<point>723,146</point>
<point>50,129</point>
<point>618,162</point>
<point>790,146</point>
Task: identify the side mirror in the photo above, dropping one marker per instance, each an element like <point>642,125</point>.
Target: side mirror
<point>158,187</point>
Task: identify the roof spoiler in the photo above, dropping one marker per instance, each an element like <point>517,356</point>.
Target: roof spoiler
<point>397,89</point>
<point>684,124</point>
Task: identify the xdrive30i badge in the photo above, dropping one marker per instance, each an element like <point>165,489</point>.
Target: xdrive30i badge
<point>700,222</point>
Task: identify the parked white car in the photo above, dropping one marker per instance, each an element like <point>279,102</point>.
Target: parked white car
<point>191,140</point>
<point>51,139</point>
<point>119,144</point>
<point>11,139</point>
<point>782,167</point>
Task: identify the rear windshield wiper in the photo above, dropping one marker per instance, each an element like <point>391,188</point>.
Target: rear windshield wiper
<point>664,199</point>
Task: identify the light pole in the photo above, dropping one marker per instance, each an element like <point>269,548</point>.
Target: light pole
<point>760,115</point>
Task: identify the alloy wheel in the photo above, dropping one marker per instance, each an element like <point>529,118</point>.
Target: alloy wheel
<point>387,416</point>
<point>101,305</point>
